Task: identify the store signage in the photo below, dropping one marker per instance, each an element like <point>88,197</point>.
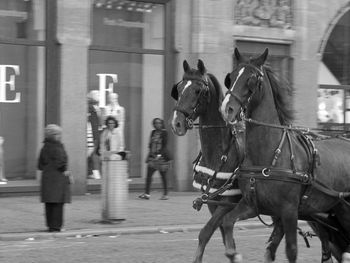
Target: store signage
<point>106,84</point>
<point>8,92</point>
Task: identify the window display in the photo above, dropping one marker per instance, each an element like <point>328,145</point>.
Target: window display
<point>127,68</point>
<point>22,86</point>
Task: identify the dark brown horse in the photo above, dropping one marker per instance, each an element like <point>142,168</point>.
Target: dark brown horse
<point>285,173</point>
<point>199,95</point>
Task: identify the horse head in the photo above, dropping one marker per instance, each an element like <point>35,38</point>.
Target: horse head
<point>192,95</point>
<point>242,83</point>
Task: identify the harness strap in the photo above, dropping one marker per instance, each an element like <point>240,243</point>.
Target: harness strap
<point>291,152</point>
<point>253,195</point>
<point>273,173</point>
<point>279,149</point>
<point>324,189</point>
<point>229,182</point>
<point>286,175</point>
<point>223,160</point>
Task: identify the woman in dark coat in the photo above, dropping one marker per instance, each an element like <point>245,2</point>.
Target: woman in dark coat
<point>158,158</point>
<point>55,179</point>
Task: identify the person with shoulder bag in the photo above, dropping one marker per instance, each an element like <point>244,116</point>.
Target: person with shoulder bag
<point>158,158</point>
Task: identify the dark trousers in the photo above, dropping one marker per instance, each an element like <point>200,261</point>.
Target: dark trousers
<point>150,172</point>
<point>93,163</point>
<point>54,216</point>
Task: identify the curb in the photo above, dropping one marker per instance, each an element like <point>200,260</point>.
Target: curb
<point>85,233</point>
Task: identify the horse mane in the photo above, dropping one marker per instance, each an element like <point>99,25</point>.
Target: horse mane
<point>282,94</point>
<point>217,86</point>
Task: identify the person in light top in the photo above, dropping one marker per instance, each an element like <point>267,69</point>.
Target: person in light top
<point>111,144</point>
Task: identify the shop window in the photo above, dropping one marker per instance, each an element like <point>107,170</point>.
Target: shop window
<point>21,108</point>
<point>334,79</point>
<point>127,57</point>
<point>22,85</point>
<point>22,19</point>
<point>130,24</point>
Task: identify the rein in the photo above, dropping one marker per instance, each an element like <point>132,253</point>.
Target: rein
<point>201,126</point>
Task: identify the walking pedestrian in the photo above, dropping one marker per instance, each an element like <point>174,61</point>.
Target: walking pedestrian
<point>158,158</point>
<point>55,178</point>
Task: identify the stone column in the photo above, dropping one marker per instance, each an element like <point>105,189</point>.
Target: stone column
<point>73,33</point>
<point>202,31</point>
<point>185,147</point>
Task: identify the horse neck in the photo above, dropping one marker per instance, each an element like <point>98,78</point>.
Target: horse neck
<point>214,140</point>
<point>261,141</point>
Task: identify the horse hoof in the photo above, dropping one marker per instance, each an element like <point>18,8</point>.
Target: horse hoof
<point>237,258</point>
<point>268,257</point>
<point>346,257</point>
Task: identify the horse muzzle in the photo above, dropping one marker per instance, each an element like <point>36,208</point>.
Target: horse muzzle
<point>179,124</point>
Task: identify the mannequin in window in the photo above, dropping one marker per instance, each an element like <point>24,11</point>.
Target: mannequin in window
<point>93,134</point>
<point>114,109</point>
<point>3,180</point>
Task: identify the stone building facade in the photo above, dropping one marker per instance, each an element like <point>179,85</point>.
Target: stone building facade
<point>308,45</point>
<point>55,52</point>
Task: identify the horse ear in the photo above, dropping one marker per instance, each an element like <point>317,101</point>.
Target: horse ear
<point>237,56</point>
<point>186,66</point>
<point>261,59</point>
<point>201,67</point>
<point>174,92</point>
<point>227,81</point>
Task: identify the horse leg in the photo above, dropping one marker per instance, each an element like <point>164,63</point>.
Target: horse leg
<point>207,231</point>
<point>212,209</point>
<point>241,212</point>
<point>342,213</point>
<point>323,235</point>
<point>290,222</point>
<point>274,240</point>
<point>227,228</point>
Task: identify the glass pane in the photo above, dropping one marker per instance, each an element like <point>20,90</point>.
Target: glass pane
<point>330,106</point>
<point>22,19</point>
<point>120,23</point>
<point>336,56</point>
<point>22,70</point>
<point>347,106</point>
<point>138,81</point>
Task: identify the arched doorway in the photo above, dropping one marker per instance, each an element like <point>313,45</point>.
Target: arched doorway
<point>334,78</point>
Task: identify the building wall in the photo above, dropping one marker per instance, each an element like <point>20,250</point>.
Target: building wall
<point>203,29</point>
<point>206,29</point>
<point>311,33</point>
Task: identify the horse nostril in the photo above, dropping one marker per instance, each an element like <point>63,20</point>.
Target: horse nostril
<point>230,110</point>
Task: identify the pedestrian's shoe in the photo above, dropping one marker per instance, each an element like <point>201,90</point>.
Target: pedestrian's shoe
<point>164,197</point>
<point>3,181</point>
<point>53,229</point>
<point>144,196</point>
<point>96,174</point>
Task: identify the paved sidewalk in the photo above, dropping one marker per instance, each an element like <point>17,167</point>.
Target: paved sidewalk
<point>23,217</point>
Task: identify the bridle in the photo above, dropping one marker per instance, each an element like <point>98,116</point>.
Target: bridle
<point>203,95</point>
<point>259,74</point>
